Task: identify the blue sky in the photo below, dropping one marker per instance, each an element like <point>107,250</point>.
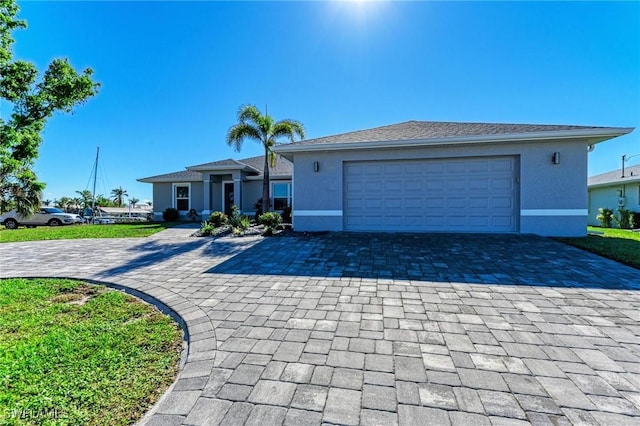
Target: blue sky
<point>173,74</point>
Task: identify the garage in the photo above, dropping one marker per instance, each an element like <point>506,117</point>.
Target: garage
<point>431,195</point>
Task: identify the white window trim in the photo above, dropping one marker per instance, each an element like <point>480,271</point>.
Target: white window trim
<point>174,198</point>
<point>289,192</point>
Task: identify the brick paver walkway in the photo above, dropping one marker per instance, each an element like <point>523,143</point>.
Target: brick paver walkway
<point>378,329</point>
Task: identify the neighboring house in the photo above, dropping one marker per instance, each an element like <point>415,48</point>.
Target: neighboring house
<point>216,186</point>
<point>422,176</point>
<point>613,191</point>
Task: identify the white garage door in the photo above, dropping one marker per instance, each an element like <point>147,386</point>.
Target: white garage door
<point>452,195</point>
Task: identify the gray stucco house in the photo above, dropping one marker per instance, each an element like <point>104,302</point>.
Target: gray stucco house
<point>612,190</point>
<point>416,176</point>
<point>217,185</point>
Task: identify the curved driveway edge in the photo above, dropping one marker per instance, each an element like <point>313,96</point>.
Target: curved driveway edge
<point>370,329</point>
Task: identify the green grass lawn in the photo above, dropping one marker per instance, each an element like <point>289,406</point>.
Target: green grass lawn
<point>617,244</point>
<point>73,232</point>
<point>73,353</point>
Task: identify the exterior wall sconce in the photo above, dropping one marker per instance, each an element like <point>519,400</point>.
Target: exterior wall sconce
<point>555,158</point>
<point>316,166</point>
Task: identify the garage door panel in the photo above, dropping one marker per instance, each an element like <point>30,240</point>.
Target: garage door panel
<point>502,203</point>
<point>454,167</point>
<point>479,221</point>
<point>456,184</point>
<point>393,203</point>
<point>479,184</point>
<point>480,166</point>
<point>465,195</point>
<point>393,169</point>
<point>434,221</point>
<point>502,183</point>
<point>478,202</point>
<point>393,186</point>
<point>502,165</point>
<point>456,202</point>
<point>435,185</point>
<point>413,185</point>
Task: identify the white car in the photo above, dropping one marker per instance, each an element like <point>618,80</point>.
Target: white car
<point>50,216</point>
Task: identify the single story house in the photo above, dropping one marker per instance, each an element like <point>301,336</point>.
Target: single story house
<point>216,186</point>
<point>613,190</point>
<point>415,176</point>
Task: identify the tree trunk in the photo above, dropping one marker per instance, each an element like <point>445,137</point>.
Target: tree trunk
<point>266,200</point>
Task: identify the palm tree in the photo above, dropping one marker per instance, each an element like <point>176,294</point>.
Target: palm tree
<point>86,196</point>
<point>103,201</point>
<point>252,124</point>
<point>133,201</point>
<point>46,202</point>
<point>63,202</point>
<point>118,195</point>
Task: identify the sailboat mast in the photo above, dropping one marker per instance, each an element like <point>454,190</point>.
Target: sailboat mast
<point>95,178</point>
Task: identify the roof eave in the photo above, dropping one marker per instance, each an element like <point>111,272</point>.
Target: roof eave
<point>614,183</point>
<point>592,136</point>
<point>165,180</point>
<point>242,167</point>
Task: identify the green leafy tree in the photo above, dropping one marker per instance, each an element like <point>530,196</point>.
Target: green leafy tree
<point>62,202</point>
<point>262,128</point>
<point>103,201</point>
<point>76,204</point>
<point>117,195</point>
<point>86,198</point>
<point>34,99</point>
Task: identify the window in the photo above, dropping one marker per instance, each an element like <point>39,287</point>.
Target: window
<point>281,195</point>
<point>181,196</point>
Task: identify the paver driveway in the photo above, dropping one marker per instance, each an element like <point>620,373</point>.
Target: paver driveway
<point>378,329</point>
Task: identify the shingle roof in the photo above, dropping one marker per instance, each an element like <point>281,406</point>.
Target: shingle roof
<point>631,173</point>
<point>220,163</point>
<point>283,168</point>
<point>413,130</point>
<point>183,176</point>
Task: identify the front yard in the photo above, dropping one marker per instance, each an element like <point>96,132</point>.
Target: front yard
<point>617,244</point>
<point>73,232</point>
<point>75,353</point>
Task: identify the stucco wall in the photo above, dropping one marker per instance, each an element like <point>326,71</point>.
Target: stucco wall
<point>163,196</point>
<point>552,198</point>
<point>251,192</point>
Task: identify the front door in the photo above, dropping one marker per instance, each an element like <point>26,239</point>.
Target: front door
<point>227,197</point>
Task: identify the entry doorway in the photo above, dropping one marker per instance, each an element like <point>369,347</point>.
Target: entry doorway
<point>227,197</point>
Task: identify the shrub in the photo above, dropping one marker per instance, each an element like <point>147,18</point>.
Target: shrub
<point>605,216</point>
<point>235,213</point>
<point>624,221</point>
<point>635,220</point>
<point>207,229</point>
<point>170,214</point>
<point>271,221</point>
<point>286,215</point>
<point>217,219</point>
<point>239,224</point>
